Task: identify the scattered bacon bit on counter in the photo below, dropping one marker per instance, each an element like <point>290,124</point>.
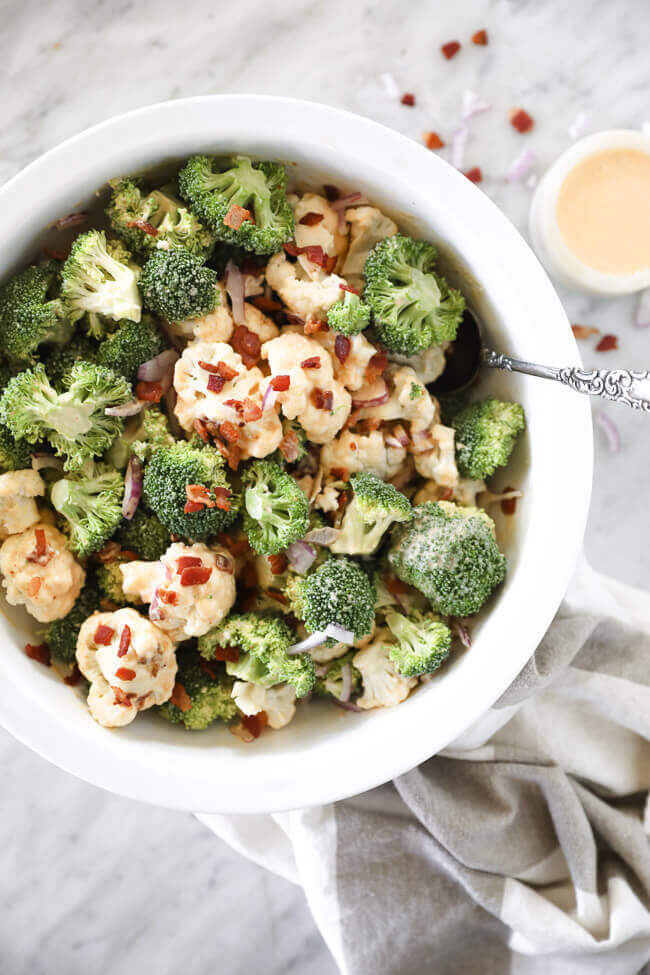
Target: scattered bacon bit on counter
<point>144,226</point>
<point>584,331</point>
<point>432,140</point>
<point>509,505</point>
<point>607,343</point>
<point>480,38</point>
<point>125,673</point>
<point>247,344</point>
<point>180,698</point>
<point>408,98</point>
<point>474,175</point>
<point>342,346</point>
<point>323,399</point>
<point>376,367</point>
<point>313,362</point>
<point>255,723</point>
<point>521,120</point>
<point>223,564</point>
<point>149,392</point>
<point>251,411</point>
<point>236,546</point>
<point>266,304</point>
<point>40,553</point>
<point>72,220</point>
<point>202,430</point>
<point>311,219</point>
<point>348,287</point>
<point>187,562</point>
<point>340,473</point>
<point>53,255</point>
<point>196,575</point>
<point>314,326</point>
<point>278,563</point>
<point>167,596</point>
<point>227,654</point>
<point>104,634</point>
<point>236,216</point>
<point>121,697</point>
<point>73,677</point>
<point>221,498</point>
<point>289,446</point>
<point>39,652</point>
<point>280,383</point>
<point>450,49</point>
<point>229,431</point>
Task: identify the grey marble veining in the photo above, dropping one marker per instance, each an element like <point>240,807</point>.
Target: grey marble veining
<point>94,883</point>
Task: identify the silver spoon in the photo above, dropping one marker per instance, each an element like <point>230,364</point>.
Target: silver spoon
<point>468,353</point>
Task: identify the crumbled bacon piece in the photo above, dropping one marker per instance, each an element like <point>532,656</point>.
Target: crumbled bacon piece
<point>231,452</point>
<point>279,597</point>
<point>121,697</point>
<point>342,346</point>
<point>329,264</point>
<point>230,654</point>
<point>247,344</point>
<point>278,563</point>
<point>395,586</point>
<point>40,554</point>
<point>313,325</point>
<point>187,562</point>
<point>200,493</point>
<point>480,38</point>
<point>313,253</point>
<point>474,175</point>
<point>313,362</point>
<point>607,343</point>
<point>584,331</point>
<point>432,140</point>
<point>255,723</point>
<point>125,641</point>
<point>446,495</point>
<point>289,446</point>
<point>266,304</point>
<point>311,219</point>
<point>149,392</point>
<point>196,575</point>
<point>348,287</point>
<point>202,430</point>
<point>104,634</point>
<point>236,216</point>
<point>323,399</point>
<point>144,226</point>
<point>251,411</point>
<point>125,673</point>
<point>508,505</point>
<point>223,564</point>
<point>221,498</point>
<point>73,677</point>
<point>215,383</point>
<point>340,473</point>
<point>39,652</point>
<point>280,383</point>
<point>191,507</point>
<point>168,596</point>
<point>235,404</point>
<point>408,98</point>
<point>224,370</point>
<point>229,431</point>
<point>521,120</point>
<point>236,546</point>
<point>450,49</point>
<point>180,698</point>
<point>376,367</point>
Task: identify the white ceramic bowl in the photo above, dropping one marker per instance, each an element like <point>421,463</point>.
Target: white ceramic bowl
<point>326,754</point>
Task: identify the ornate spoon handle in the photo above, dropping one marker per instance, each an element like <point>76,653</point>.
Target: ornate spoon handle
<point>618,385</point>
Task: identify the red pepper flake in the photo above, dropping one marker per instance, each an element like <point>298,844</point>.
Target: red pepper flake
<point>266,304</point>
<point>289,446</point>
<point>167,596</point>
<point>348,287</point>
<point>73,677</point>
<point>432,140</point>
<point>408,98</point>
<point>311,219</point>
<point>223,564</point>
<point>230,654</point>
<point>221,498</point>
<point>229,431</point>
<point>521,120</point>
<point>187,562</point>
<point>313,326</point>
<point>278,563</point>
<point>251,411</point>
<point>322,399</point>
<point>376,367</point>
<point>196,575</point>
<point>202,430</point>
<point>450,49</point>
<point>584,331</point>
<point>180,698</point>
<point>247,344</point>
<point>144,226</point>
<point>607,343</point>
<point>125,641</point>
<point>39,652</point>
<point>313,362</point>
<point>280,383</point>
<point>342,346</point>
<point>474,175</point>
<point>255,723</point>
<point>104,634</point>
<point>149,392</point>
<point>125,673</point>
<point>121,697</point>
<point>480,38</point>
<point>509,505</point>
<point>33,587</point>
<point>236,216</point>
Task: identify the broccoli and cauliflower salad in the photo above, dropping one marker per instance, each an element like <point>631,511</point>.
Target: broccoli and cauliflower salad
<point>227,488</point>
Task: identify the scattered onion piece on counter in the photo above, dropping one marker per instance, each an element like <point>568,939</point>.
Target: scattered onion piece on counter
<point>480,38</point>
<point>521,166</point>
<point>579,125</point>
<point>609,428</point>
<point>132,487</point>
<point>301,556</point>
<point>585,331</point>
<point>390,85</point>
<point>607,343</point>
<point>450,49</point>
<point>408,98</point>
<point>642,317</point>
<point>458,143</point>
<point>43,461</point>
<point>462,633</point>
<point>125,409</point>
<point>474,175</point>
<point>39,652</point>
<point>432,140</point>
<point>235,288</point>
<point>473,105</point>
<point>521,120</point>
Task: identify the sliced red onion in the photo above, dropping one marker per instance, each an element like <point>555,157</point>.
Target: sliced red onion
<point>462,633</point>
<point>321,536</point>
<point>609,428</point>
<point>132,487</point>
<point>41,462</point>
<point>366,404</point>
<point>125,409</point>
<point>350,200</point>
<point>521,166</point>
<point>339,633</point>
<point>642,317</point>
<point>390,85</point>
<point>321,671</point>
<point>579,125</point>
<point>346,683</point>
<point>71,220</point>
<point>159,368</point>
<point>301,555</point>
<point>473,105</point>
<point>398,438</point>
<point>235,289</point>
<point>269,398</point>
<point>316,639</point>
<point>458,143</point>
<point>346,705</point>
<point>155,612</point>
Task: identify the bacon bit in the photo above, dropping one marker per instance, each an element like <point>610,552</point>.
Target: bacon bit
<point>40,550</point>
<point>236,216</point>
<point>521,120</point>
<point>231,453</point>
<point>125,673</point>
<point>280,383</point>
<point>294,319</point>
<point>73,677</point>
<point>313,362</point>
<point>209,366</point>
<point>180,698</point>
<point>167,596</point>
<point>331,192</point>
<point>200,494</point>
<point>584,331</point>
<point>33,586</point>
<point>126,555</point>
<point>348,287</point>
<point>340,473</point>
<point>223,564</point>
<point>408,99</point>
<point>341,503</point>
<point>450,49</point>
<point>207,669</point>
<point>247,344</point>
<point>191,507</point>
<point>313,326</point>
<point>376,367</point>
<point>313,253</point>
<point>352,445</point>
<point>72,220</point>
<point>446,495</point>
<point>279,597</point>
<point>216,383</point>
<point>149,392</point>
<point>266,304</point>
<point>224,370</point>
<point>342,346</point>
<point>289,446</point>
<point>329,265</point>
<point>202,430</point>
<point>39,652</point>
<point>229,431</point>
<point>236,404</point>
<point>187,562</point>
<point>53,255</point>
<point>230,654</point>
<point>607,343</point>
<point>196,575</point>
<point>104,634</point>
<point>221,498</point>
<point>323,399</point>
<point>395,586</point>
<point>251,411</point>
<point>480,38</point>
<point>474,175</point>
<point>278,563</point>
<point>107,605</point>
<point>144,226</point>
<point>311,219</point>
<point>121,697</point>
<point>255,723</point>
<point>236,546</point>
<point>509,505</point>
<point>432,140</point>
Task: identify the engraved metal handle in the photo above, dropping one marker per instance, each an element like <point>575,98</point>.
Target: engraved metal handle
<point>618,385</point>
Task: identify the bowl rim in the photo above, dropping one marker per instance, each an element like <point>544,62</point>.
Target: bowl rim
<point>31,723</point>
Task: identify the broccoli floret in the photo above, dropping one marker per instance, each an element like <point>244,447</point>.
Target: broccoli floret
<point>91,502</point>
<point>58,361</point>
<point>15,455</point>
<point>166,477</point>
<point>485,436</point>
<point>332,682</point>
<point>415,391</point>
<point>155,220</point>
<point>142,435</point>
<point>207,696</point>
<point>74,422</point>
<point>176,285</point>
<point>413,307</point>
<point>339,592</point>
<point>450,554</point>
<point>132,344</point>
<point>375,506</point>
<point>109,581</point>
<point>30,312</point>
<point>276,510</point>
<point>61,635</point>
<point>266,639</point>
<point>97,283</point>
<point>145,535</point>
<point>213,185</point>
<point>423,642</point>
<point>349,315</point>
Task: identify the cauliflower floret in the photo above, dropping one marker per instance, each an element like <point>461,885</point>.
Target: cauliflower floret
<point>356,452</point>
<point>217,326</point>
<point>202,394</point>
<point>382,685</point>
<point>428,364</point>
<point>130,663</point>
<point>40,573</point>
<point>439,463</point>
<point>184,609</point>
<point>323,234</point>
<point>18,509</point>
<point>327,498</point>
<point>367,227</point>
<point>263,326</point>
<point>408,399</point>
<point>309,298</point>
<point>285,356</point>
<point>351,371</point>
<point>278,702</point>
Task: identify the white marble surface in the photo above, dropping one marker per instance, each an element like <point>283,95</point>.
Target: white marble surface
<point>93,883</point>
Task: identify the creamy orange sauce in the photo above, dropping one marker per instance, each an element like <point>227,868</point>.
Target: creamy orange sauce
<point>603,211</point>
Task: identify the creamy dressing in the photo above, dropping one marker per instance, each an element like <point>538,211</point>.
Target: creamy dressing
<point>603,211</point>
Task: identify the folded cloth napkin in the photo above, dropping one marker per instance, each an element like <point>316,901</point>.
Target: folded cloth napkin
<point>523,846</point>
